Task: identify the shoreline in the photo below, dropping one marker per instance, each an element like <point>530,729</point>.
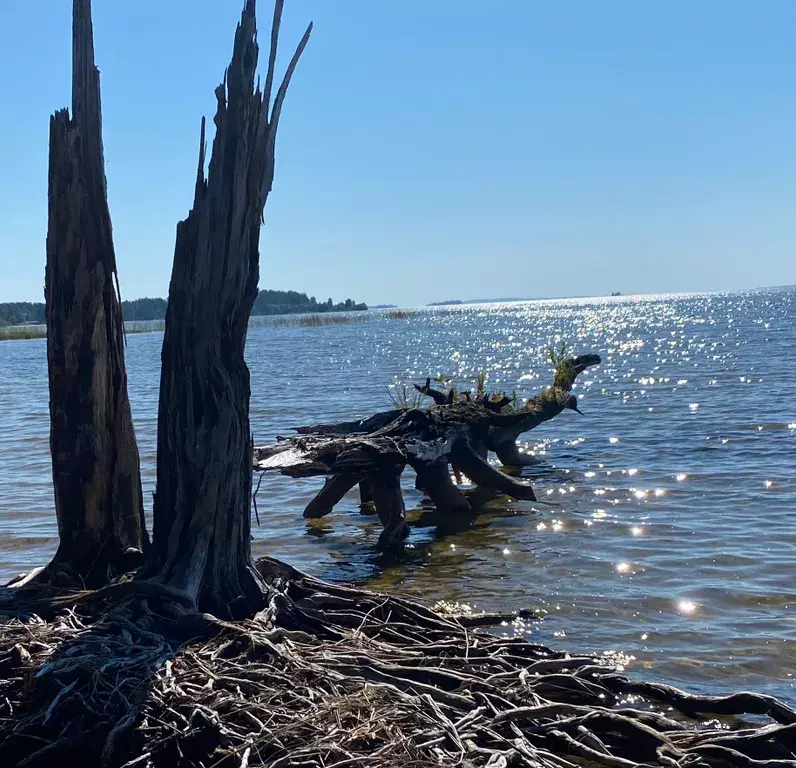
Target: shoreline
<point>330,675</point>
<point>22,332</point>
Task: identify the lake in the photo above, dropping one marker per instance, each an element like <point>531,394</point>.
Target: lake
<point>665,533</point>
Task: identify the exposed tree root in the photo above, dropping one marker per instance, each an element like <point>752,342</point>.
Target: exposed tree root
<point>330,676</point>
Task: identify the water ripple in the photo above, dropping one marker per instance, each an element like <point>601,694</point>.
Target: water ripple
<point>666,531</point>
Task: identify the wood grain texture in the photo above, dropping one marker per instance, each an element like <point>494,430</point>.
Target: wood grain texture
<point>95,461</point>
<point>203,498</point>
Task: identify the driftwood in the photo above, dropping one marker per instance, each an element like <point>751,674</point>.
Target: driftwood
<point>201,538</point>
<point>98,500</point>
<point>455,432</point>
<point>542,408</point>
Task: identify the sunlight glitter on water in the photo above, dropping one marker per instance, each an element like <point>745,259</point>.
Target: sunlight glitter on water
<point>715,533</point>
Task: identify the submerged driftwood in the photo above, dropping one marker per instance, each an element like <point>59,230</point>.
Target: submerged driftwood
<point>457,432</point>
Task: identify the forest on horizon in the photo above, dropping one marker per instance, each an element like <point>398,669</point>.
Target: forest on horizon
<point>268,302</point>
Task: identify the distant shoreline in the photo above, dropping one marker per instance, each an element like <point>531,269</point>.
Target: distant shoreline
<point>339,314</point>
<point>268,302</point>
<point>612,295</point>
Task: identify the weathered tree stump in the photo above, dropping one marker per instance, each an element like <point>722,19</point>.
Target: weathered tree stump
<point>203,498</point>
<point>454,433</point>
<point>98,500</point>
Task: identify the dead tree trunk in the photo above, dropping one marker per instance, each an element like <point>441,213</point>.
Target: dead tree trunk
<point>98,499</point>
<point>203,498</point>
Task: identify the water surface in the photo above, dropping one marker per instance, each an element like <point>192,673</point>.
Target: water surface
<point>666,531</point>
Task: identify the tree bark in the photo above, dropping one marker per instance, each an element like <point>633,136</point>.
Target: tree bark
<point>365,491</point>
<point>478,469</point>
<point>331,494</point>
<point>436,481</point>
<point>98,500</point>
<point>390,507</point>
<point>204,474</point>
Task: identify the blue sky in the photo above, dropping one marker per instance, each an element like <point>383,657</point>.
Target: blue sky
<point>445,149</point>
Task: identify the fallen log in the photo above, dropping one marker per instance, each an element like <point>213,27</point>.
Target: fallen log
<point>478,469</point>
<point>389,503</point>
<point>332,492</point>
<point>455,434</point>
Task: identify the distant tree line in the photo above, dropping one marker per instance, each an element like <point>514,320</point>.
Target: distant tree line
<point>267,303</point>
<point>144,309</point>
<point>21,312</point>
<point>292,302</point>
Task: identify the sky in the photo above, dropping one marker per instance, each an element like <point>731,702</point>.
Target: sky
<point>441,149</point>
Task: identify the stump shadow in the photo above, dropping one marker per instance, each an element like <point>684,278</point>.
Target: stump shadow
<point>76,683</point>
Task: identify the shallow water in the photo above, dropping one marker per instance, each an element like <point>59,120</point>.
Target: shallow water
<point>667,529</point>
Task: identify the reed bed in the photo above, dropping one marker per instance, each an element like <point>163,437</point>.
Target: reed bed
<point>145,326</point>
<point>259,321</point>
<point>305,321</point>
<point>18,332</point>
<point>330,676</point>
<point>331,319</point>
